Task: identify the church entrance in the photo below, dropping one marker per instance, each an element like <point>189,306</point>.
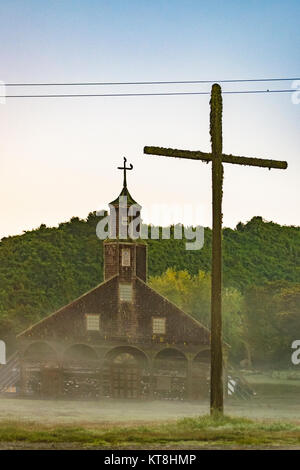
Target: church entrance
<point>125,374</point>
<point>126,377</point>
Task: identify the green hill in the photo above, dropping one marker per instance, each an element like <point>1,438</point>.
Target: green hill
<point>44,269</point>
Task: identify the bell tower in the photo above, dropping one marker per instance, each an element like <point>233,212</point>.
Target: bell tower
<point>125,253</point>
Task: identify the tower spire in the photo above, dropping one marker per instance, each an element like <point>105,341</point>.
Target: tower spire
<point>125,168</point>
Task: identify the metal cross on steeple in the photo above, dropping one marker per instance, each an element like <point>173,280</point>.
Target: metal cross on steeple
<point>125,168</point>
<point>217,158</point>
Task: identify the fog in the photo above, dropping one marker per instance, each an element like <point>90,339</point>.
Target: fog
<point>275,398</point>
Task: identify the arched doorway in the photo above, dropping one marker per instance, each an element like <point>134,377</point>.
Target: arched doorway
<point>125,373</point>
<point>41,370</point>
<point>81,372</point>
<point>201,375</point>
<point>170,375</point>
<point>40,352</point>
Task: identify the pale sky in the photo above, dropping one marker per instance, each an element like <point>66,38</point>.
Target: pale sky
<point>58,157</point>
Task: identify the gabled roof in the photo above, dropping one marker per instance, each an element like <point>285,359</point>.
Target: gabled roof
<point>179,310</point>
<point>70,304</point>
<point>76,304</point>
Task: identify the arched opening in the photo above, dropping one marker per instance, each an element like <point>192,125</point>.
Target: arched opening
<point>42,374</point>
<point>126,373</point>
<point>40,351</point>
<point>170,375</point>
<point>80,353</point>
<point>81,377</point>
<point>201,375</point>
<point>202,357</point>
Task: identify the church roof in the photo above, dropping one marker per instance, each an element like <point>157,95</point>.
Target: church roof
<point>64,321</point>
<point>124,193</point>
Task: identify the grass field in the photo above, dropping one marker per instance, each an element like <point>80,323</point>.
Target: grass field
<point>187,433</point>
<point>270,420</point>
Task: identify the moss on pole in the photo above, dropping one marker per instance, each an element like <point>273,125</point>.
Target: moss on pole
<point>216,380</point>
<point>207,157</point>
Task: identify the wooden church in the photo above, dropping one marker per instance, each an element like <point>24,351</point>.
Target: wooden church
<point>121,339</point>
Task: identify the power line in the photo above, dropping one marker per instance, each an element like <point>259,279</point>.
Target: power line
<point>170,82</point>
<point>179,93</point>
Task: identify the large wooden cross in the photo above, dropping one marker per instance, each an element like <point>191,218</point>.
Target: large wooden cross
<point>217,158</point>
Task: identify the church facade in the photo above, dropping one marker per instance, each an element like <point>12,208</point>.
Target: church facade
<point>121,339</point>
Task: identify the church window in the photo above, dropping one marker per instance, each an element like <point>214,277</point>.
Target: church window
<point>125,256</point>
<point>158,325</point>
<point>92,322</point>
<point>126,292</point>
<point>124,220</point>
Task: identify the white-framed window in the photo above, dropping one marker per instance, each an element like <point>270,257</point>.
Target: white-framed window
<point>125,256</point>
<point>124,220</point>
<point>125,292</point>
<point>158,325</point>
<point>92,322</point>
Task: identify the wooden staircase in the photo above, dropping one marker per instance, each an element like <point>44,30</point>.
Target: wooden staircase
<point>10,373</point>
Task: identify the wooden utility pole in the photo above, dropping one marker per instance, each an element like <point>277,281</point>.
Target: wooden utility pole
<point>217,158</point>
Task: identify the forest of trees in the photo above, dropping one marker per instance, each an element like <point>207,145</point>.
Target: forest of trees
<point>259,324</point>
<point>43,269</point>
